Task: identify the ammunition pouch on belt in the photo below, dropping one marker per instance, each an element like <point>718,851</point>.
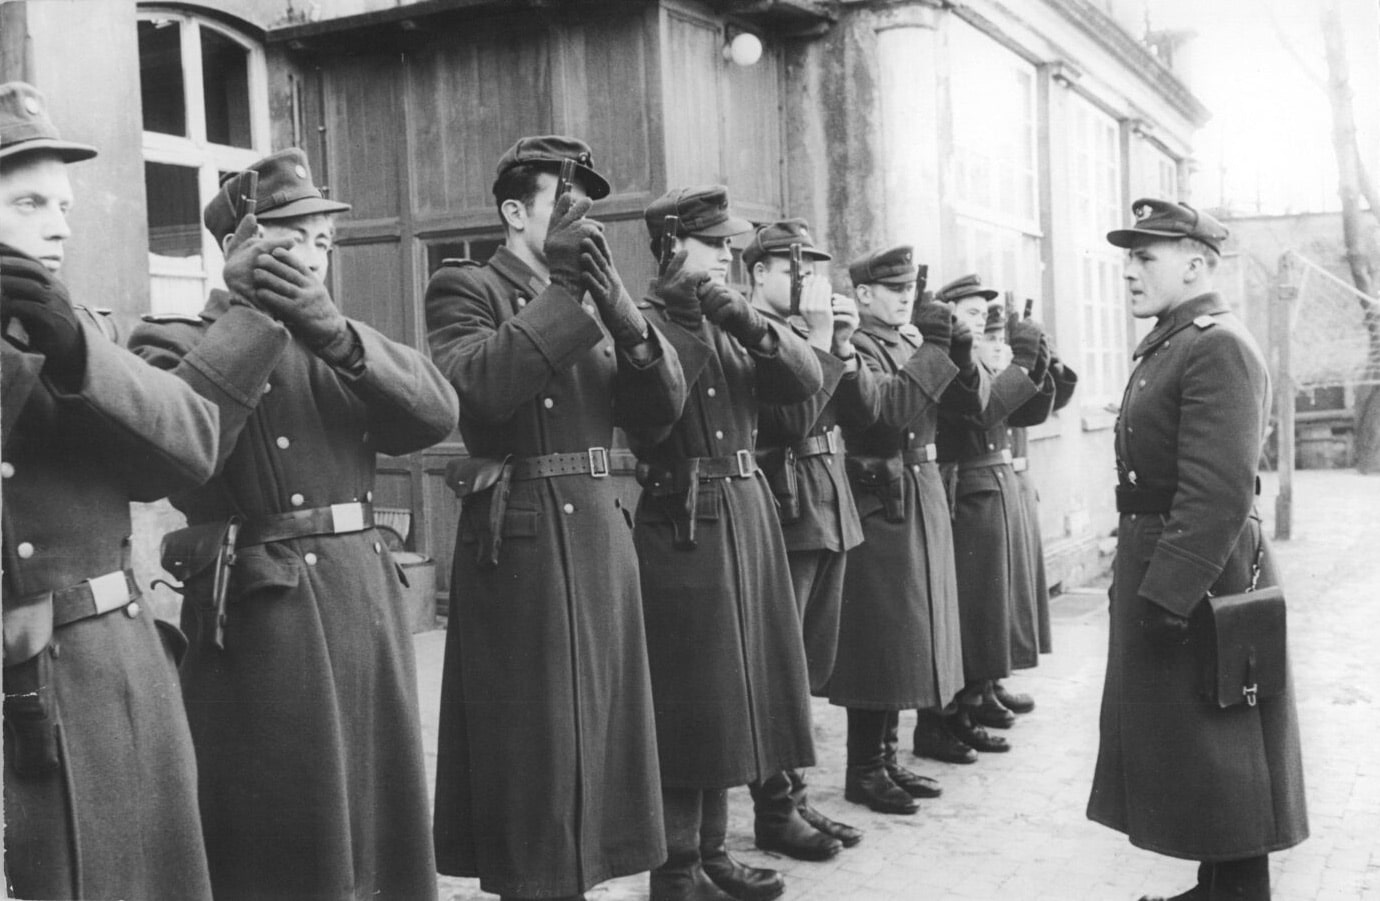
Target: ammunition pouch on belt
<point>469,476</point>
<point>778,465</point>
<point>205,549</point>
<point>680,480</point>
<point>31,716</point>
<point>883,477</point>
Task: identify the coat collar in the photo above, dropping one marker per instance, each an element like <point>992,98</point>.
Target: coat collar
<point>1178,319</point>
<point>889,336</point>
<point>513,269</point>
<point>216,304</point>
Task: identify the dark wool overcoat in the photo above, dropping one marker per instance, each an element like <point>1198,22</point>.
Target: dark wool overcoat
<point>817,540</point>
<point>547,773</point>
<point>899,643</point>
<point>118,818</point>
<point>723,635</point>
<point>1177,774</point>
<point>992,557</point>
<point>306,726</point>
<point>1029,607</point>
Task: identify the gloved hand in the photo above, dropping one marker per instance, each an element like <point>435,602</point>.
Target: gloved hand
<point>935,322</point>
<point>241,255</point>
<point>1042,357</point>
<point>1162,626</point>
<point>1025,343</point>
<point>731,312</point>
<point>285,288</point>
<point>845,311</point>
<point>960,342</point>
<point>679,288</point>
<point>599,277</point>
<point>32,295</point>
<point>563,236</point>
<point>817,309</point>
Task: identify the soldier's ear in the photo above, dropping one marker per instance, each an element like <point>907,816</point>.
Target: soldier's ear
<point>514,214</point>
<point>863,294</point>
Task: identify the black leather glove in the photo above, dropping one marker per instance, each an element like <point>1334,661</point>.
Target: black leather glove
<point>599,277</point>
<point>960,342</point>
<point>731,312</point>
<point>1025,343</point>
<point>288,290</point>
<point>1042,358</point>
<point>32,295</point>
<point>568,228</point>
<point>679,288</point>
<point>935,322</point>
<point>1162,626</point>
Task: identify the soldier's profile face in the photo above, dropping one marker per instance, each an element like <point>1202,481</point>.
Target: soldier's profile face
<point>35,195</point>
<point>973,312</point>
<point>313,238</point>
<point>774,282</point>
<point>1157,277</point>
<point>711,255</point>
<point>889,304</point>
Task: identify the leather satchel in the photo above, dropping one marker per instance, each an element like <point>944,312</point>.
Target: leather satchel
<point>1247,644</point>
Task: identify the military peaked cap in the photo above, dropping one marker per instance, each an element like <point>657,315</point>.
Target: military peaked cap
<point>703,213</point>
<point>285,191</point>
<point>893,266</point>
<point>25,126</point>
<point>965,286</point>
<point>1160,219</point>
<point>548,152</point>
<point>778,237</point>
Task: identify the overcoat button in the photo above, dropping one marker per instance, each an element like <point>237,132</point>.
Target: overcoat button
<point>268,386</point>
<point>25,550</point>
<point>711,392</point>
<point>298,500</point>
<point>369,496</point>
<point>282,442</point>
<point>310,558</point>
<point>132,610</point>
<point>569,508</point>
<point>6,469</point>
<point>548,403</point>
<point>719,434</point>
<point>378,548</point>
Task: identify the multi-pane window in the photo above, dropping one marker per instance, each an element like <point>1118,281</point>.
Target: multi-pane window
<point>995,183</point>
<point>204,98</point>
<point>1095,182</point>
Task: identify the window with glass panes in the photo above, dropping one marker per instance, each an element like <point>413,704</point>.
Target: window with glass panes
<point>1094,180</point>
<point>995,183</point>
<point>205,105</point>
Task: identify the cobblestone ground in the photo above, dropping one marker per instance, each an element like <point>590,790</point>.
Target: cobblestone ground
<point>1013,826</point>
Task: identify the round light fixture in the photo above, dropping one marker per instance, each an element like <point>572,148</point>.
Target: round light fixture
<point>743,49</point>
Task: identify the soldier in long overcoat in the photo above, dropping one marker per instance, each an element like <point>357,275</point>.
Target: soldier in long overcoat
<point>303,701</point>
<point>899,639</point>
<point>100,777</point>
<point>800,450</point>
<point>729,680</point>
<point>547,778</point>
<point>993,562</point>
<point>1175,772</point>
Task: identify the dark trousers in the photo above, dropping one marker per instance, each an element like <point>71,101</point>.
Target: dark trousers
<point>817,578</point>
<point>1234,880</point>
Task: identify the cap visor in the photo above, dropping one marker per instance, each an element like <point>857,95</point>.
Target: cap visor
<point>726,229</point>
<point>67,151</point>
<point>596,186</point>
<point>307,206</point>
<point>1132,237</point>
<point>902,279</point>
<point>985,294</point>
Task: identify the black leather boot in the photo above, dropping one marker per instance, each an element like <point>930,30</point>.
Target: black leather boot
<point>1014,701</point>
<point>933,740</point>
<point>962,726</point>
<point>872,787</point>
<point>778,825</point>
<point>990,711</point>
<point>682,877</point>
<point>737,879</point>
<point>913,784</point>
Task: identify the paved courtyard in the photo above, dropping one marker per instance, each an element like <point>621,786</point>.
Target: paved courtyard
<point>1012,826</point>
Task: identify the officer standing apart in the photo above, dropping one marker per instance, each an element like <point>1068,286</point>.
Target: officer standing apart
<point>728,669</point>
<point>1176,773</point>
<point>899,639</point>
<point>800,451</point>
<point>100,778</point>
<point>547,776</point>
<point>303,701</point>
<point>994,579</point>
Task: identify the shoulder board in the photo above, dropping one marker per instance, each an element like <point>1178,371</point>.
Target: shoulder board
<point>1205,321</point>
<point>461,263</point>
<point>103,311</point>
<point>911,334</point>
<point>163,318</point>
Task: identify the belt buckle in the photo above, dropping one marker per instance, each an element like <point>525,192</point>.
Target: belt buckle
<point>347,518</point>
<point>745,463</point>
<point>1250,691</point>
<point>598,462</point>
<point>1006,455</point>
<point>832,441</point>
<point>109,592</point>
<point>931,452</point>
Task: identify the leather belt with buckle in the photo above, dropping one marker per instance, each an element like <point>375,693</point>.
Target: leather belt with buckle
<point>741,465</point>
<point>96,597</point>
<point>986,461</point>
<point>828,443</point>
<point>337,519</point>
<point>1020,464</point>
<point>593,462</point>
<point>913,455</point>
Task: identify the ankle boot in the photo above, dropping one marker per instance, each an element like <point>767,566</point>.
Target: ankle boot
<point>1014,701</point>
<point>990,712</point>
<point>936,742</point>
<point>737,879</point>
<point>682,877</point>
<point>913,784</point>
<point>871,786</point>
<point>778,825</point>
